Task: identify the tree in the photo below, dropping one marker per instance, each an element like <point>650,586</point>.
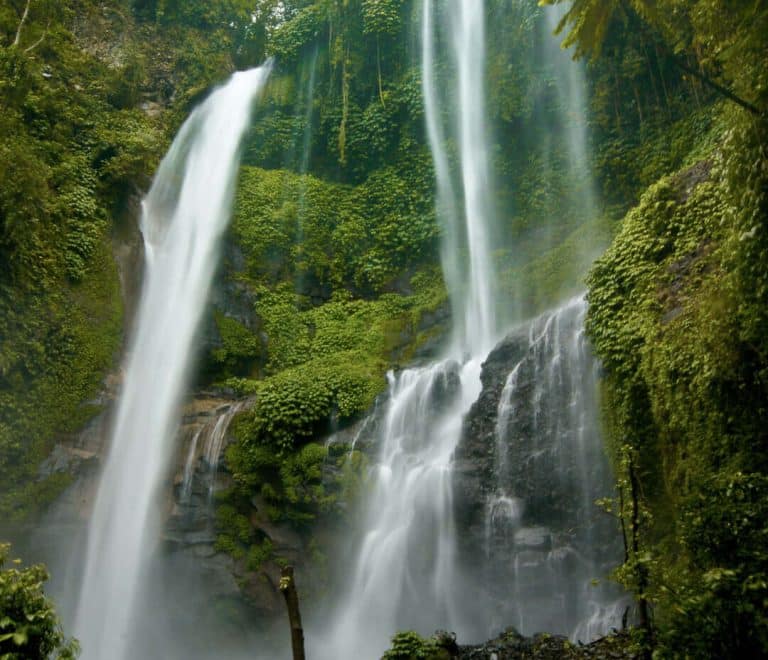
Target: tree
<point>728,40</point>
<point>29,627</point>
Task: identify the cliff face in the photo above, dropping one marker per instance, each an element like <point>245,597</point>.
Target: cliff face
<point>529,470</point>
<point>675,317</point>
<point>330,278</point>
<point>91,94</point>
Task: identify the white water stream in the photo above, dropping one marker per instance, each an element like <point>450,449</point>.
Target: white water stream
<point>405,575</point>
<point>541,520</point>
<point>184,216</point>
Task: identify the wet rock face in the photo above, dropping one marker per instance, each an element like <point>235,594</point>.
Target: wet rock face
<point>528,470</point>
<point>475,458</point>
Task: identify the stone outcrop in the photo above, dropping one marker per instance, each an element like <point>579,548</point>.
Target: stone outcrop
<point>528,470</point>
<point>511,645</point>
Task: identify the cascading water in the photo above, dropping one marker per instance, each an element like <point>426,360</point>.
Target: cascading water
<point>216,443</point>
<point>570,83</point>
<point>189,467</point>
<point>212,436</point>
<point>541,551</point>
<point>550,468</point>
<point>184,216</point>
<point>466,257</point>
<point>407,556</point>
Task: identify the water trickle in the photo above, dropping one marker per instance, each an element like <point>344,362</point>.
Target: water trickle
<point>184,216</point>
<point>215,443</point>
<point>189,467</point>
<point>212,436</point>
<point>571,86</point>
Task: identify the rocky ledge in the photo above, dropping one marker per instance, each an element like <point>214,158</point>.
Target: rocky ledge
<point>511,645</point>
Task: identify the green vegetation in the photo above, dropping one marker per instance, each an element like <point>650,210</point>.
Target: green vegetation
<point>334,248</point>
<point>322,236</point>
<point>86,112</point>
<point>330,330</point>
<point>678,316</point>
<point>411,646</point>
<point>29,627</point>
<point>674,317</point>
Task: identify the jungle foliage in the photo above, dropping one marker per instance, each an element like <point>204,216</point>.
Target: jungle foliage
<point>333,248</point>
<point>29,627</point>
<point>89,95</point>
<point>678,317</point>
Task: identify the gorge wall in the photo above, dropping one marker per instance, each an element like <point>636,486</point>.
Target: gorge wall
<point>330,279</point>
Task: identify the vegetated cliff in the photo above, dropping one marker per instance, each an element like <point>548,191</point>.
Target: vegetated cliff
<point>331,270</point>
<point>678,316</point>
<point>90,94</point>
<point>330,267</point>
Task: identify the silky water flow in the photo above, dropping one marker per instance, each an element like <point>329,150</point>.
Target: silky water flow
<point>184,216</point>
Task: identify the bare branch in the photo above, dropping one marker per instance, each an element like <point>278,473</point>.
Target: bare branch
<point>39,41</point>
<point>288,587</point>
<point>21,23</point>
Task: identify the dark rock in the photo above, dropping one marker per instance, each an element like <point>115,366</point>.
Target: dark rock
<point>527,471</point>
<point>511,645</point>
<point>475,458</point>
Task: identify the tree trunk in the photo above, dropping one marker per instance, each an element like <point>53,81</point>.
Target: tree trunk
<point>288,587</point>
<point>642,569</point>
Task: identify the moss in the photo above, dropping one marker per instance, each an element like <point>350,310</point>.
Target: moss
<point>70,349</point>
<point>239,351</point>
<point>674,317</point>
<point>321,236</point>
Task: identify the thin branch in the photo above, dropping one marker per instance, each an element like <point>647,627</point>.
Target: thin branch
<point>40,40</point>
<point>21,24</point>
<point>727,93</point>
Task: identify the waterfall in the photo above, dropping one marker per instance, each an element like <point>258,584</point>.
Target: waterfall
<point>570,85</point>
<point>405,573</point>
<point>189,467</point>
<point>184,216</point>
<point>541,517</point>
<point>215,443</point>
<point>213,435</point>
<point>467,31</point>
<point>466,257</point>
<point>542,539</point>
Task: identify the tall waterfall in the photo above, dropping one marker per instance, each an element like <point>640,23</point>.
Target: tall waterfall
<point>184,216</point>
<point>405,574</point>
<point>466,257</point>
<point>535,537</point>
